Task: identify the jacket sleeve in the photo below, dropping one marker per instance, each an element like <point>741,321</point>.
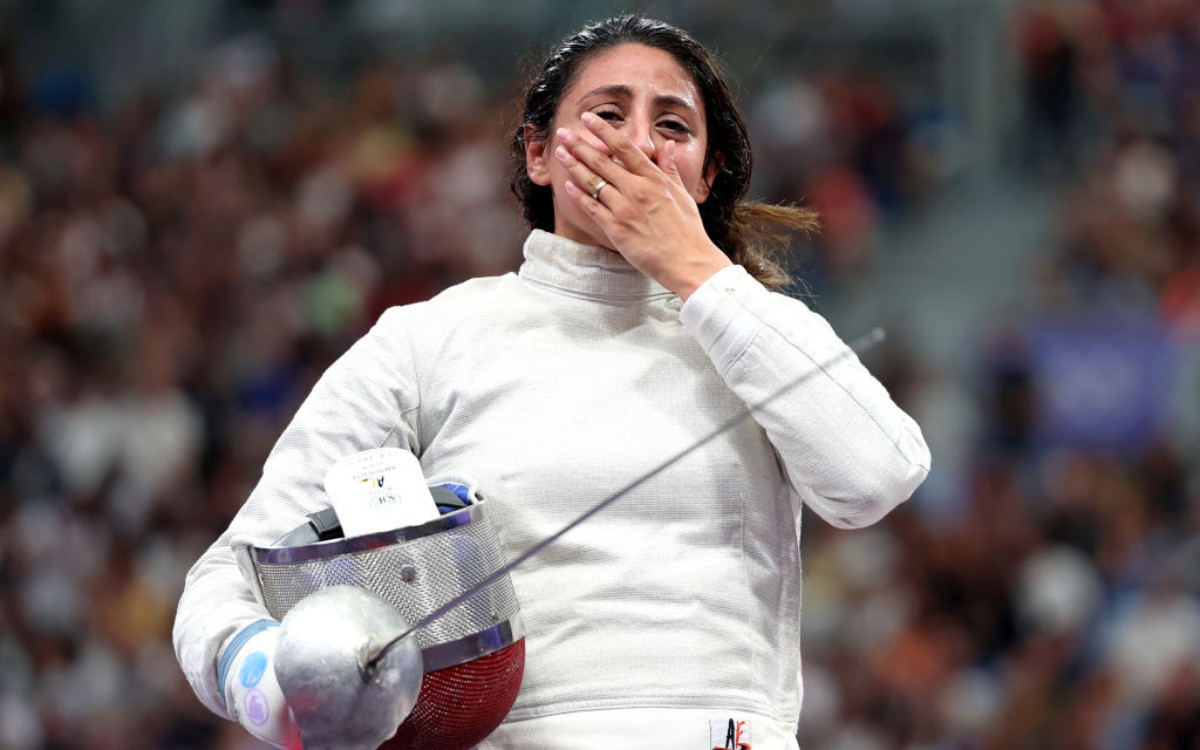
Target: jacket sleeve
<point>849,452</point>
<point>367,399</point>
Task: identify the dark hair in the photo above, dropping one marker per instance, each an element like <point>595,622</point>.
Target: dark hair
<point>742,230</point>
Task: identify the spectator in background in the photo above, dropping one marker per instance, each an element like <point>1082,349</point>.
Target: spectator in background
<point>1050,68</point>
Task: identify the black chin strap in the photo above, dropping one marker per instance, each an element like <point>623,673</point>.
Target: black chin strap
<point>324,524</point>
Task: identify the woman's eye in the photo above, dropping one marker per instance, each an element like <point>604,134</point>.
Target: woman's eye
<point>674,126</point>
<point>611,115</point>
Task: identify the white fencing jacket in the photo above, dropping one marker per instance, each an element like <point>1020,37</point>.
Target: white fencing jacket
<point>551,389</point>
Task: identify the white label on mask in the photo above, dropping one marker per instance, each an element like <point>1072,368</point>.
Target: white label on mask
<point>379,490</point>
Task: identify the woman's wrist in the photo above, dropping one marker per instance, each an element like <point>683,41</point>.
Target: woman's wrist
<point>686,276</point>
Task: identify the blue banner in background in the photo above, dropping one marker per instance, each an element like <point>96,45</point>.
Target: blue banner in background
<point>1103,380</point>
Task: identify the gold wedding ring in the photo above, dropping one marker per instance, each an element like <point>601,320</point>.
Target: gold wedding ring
<point>597,188</point>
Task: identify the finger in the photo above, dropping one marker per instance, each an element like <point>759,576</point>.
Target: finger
<point>634,159</point>
<point>593,207</point>
<point>588,138</point>
<point>584,177</point>
<point>597,191</point>
<point>579,194</point>
<point>666,162</point>
<point>588,157</point>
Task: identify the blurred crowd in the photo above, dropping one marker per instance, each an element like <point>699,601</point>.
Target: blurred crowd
<point>174,279</point>
<point>1054,602</point>
<point>176,271</point>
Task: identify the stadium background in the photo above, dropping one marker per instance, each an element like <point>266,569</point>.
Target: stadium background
<point>202,203</point>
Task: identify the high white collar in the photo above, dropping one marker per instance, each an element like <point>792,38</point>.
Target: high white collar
<point>585,270</point>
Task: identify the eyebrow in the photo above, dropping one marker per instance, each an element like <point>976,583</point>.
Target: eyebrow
<point>621,89</point>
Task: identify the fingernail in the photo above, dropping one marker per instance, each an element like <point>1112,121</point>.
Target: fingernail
<point>562,153</point>
<point>566,136</point>
<point>571,187</point>
<point>590,118</point>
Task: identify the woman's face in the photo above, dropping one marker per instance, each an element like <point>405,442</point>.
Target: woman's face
<point>644,93</point>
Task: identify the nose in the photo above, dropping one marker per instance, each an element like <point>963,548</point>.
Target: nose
<point>642,136</point>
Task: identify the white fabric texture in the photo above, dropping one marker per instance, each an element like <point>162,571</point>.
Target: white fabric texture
<point>550,390</point>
